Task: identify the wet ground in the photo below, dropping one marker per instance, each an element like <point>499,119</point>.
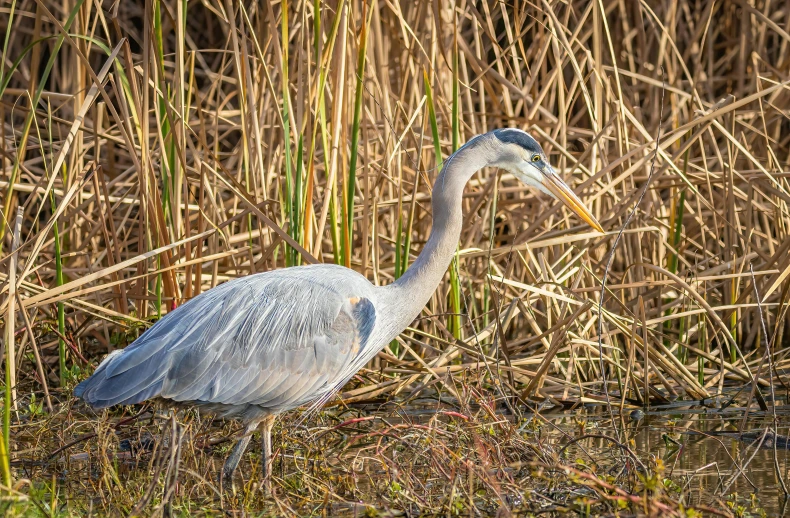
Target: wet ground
<point>424,456</point>
<point>712,452</point>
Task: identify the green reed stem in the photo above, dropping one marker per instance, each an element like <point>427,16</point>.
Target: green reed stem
<point>348,219</point>
<point>290,255</point>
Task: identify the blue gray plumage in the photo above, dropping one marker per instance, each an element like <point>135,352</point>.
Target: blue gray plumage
<point>260,345</point>
<point>252,346</point>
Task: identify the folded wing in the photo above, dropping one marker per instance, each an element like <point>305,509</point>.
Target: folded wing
<point>272,340</point>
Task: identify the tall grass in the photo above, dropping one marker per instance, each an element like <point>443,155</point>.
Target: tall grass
<point>229,138</point>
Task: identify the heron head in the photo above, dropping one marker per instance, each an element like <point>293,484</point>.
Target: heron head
<point>521,154</point>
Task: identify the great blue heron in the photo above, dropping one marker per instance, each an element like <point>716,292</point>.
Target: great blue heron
<point>259,345</point>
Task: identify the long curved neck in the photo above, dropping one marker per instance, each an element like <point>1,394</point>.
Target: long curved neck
<point>414,289</point>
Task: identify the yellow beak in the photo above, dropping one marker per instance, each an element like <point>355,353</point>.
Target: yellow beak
<point>562,192</point>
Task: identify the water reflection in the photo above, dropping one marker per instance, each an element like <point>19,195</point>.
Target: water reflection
<point>710,454</point>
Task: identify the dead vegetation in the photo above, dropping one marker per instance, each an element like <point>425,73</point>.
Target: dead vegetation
<point>153,149</point>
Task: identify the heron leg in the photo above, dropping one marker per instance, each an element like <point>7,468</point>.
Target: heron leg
<point>229,468</point>
<point>266,462</point>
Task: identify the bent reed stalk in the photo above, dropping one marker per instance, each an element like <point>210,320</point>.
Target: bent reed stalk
<point>230,138</point>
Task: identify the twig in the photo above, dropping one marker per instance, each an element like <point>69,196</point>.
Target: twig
<point>741,469</point>
<point>766,355</point>
<point>620,445</point>
<point>36,354</point>
<point>611,258</point>
<point>92,435</point>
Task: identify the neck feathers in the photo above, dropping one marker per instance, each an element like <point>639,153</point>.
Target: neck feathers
<point>413,290</point>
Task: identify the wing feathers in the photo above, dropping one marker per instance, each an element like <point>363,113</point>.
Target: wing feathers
<point>276,340</point>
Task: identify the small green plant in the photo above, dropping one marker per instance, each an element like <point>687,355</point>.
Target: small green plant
<point>458,506</point>
<point>395,489</point>
<point>72,374</point>
<point>35,408</point>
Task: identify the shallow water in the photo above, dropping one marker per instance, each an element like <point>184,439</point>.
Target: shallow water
<point>701,449</point>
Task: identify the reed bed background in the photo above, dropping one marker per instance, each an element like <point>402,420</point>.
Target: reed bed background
<point>151,150</point>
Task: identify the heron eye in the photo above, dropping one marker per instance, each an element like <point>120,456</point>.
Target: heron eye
<point>536,158</point>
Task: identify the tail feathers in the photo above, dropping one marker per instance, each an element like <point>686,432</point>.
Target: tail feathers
<point>135,385</point>
<point>80,389</point>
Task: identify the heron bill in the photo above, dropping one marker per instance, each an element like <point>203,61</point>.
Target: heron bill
<point>562,192</point>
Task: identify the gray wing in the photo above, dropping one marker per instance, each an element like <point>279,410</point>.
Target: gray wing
<point>273,341</point>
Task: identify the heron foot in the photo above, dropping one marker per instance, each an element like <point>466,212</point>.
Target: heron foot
<point>226,479</point>
<point>232,462</point>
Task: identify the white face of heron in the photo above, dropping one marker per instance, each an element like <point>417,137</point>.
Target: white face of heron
<point>533,170</point>
<point>521,154</point>
<point>530,167</point>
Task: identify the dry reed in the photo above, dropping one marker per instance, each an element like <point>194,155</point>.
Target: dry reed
<point>157,148</point>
